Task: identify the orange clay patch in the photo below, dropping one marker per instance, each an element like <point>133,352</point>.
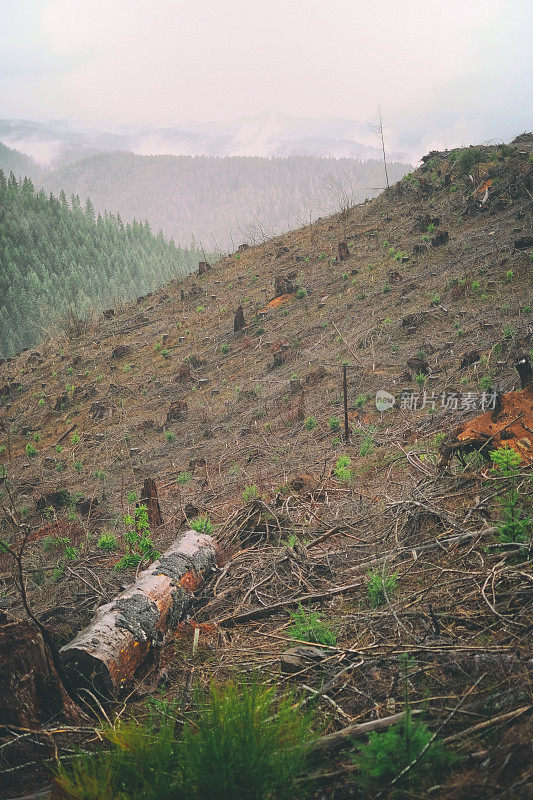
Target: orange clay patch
<point>277,301</point>
<point>483,188</point>
<point>513,427</point>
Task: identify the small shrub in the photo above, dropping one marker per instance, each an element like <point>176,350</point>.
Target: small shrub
<point>310,424</point>
<point>184,477</point>
<point>342,469</point>
<point>242,743</point>
<point>71,552</point>
<point>386,754</point>
<point>360,400</point>
<point>224,348</point>
<point>31,450</point>
<point>421,378</point>
<point>367,446</point>
<point>334,424</point>
<point>301,293</point>
<point>170,436</point>
<point>250,493</point>
<point>380,586</point>
<point>128,561</point>
<point>469,157</point>
<point>107,542</point>
<point>516,524</point>
<point>138,538</point>
<point>308,627</point>
<point>202,524</point>
<point>508,332</point>
<point>485,382</point>
<point>75,438</point>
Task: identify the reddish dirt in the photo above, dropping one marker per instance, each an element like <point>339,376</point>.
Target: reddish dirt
<point>512,427</point>
<point>277,301</point>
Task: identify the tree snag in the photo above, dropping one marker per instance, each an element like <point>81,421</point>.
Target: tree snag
<point>149,499</point>
<point>239,323</point>
<point>124,634</point>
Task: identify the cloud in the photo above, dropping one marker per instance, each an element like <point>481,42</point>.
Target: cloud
<point>439,67</point>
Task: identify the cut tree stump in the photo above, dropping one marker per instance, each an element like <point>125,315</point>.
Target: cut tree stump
<point>239,322</point>
<point>124,634</point>
<point>149,499</point>
<point>31,691</point>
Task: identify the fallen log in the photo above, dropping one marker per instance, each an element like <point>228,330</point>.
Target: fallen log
<point>267,611</point>
<point>125,634</point>
<point>334,742</point>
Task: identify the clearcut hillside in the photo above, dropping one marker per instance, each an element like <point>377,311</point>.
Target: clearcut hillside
<point>425,288</point>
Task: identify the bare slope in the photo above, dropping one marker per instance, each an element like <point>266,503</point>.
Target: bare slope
<point>437,284</point>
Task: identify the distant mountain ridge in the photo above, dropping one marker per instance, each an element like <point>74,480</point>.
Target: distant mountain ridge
<point>59,142</point>
<point>214,183</point>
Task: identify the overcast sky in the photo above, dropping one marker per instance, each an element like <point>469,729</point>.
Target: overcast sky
<point>445,71</point>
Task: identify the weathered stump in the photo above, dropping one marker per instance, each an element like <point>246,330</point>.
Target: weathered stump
<point>124,634</point>
<point>440,238</point>
<point>149,499</point>
<point>344,252</point>
<point>285,284</point>
<point>178,411</point>
<point>239,322</point>
<point>525,370</point>
<point>31,691</point>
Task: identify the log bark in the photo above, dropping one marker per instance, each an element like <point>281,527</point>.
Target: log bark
<point>125,634</point>
<point>31,691</point>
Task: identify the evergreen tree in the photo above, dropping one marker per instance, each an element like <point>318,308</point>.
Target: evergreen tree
<point>54,255</point>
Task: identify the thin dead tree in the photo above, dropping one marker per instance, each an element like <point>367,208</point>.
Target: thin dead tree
<point>377,130</point>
